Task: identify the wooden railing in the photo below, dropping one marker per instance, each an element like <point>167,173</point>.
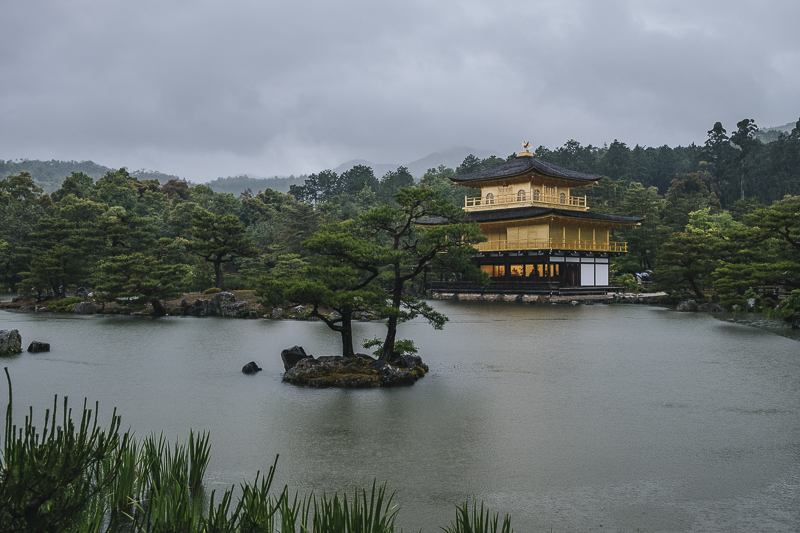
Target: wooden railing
<point>514,200</point>
<point>494,286</point>
<point>553,244</point>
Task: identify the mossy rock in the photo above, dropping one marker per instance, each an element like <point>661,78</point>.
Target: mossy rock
<point>357,372</point>
<point>10,342</point>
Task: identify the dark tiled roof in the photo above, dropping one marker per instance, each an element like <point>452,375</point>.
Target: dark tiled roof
<point>522,164</point>
<point>499,215</point>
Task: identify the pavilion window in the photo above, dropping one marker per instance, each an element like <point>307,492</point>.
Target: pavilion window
<point>536,195</point>
<point>489,198</point>
<point>494,271</point>
<point>521,196</point>
<point>562,198</point>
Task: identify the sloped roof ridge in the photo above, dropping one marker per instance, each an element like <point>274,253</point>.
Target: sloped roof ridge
<point>521,164</point>
<point>535,211</point>
<point>500,215</point>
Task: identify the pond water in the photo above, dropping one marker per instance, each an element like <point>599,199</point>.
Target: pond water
<point>585,418</point>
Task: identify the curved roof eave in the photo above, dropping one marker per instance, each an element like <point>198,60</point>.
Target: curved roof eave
<point>521,213</point>
<point>503,215</point>
<point>520,165</point>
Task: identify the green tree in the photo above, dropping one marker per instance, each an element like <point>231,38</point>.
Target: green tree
<point>685,263</point>
<point>747,147</point>
<point>644,241</point>
<point>718,154</point>
<point>135,267</point>
<point>341,276</point>
<point>176,190</point>
<point>218,239</point>
<point>115,189</point>
<point>22,204</point>
<point>64,246</point>
<point>470,164</point>
<point>358,177</point>
<point>438,179</point>
<point>76,183</point>
<point>218,204</point>
<point>687,193</point>
<point>777,228</point>
<point>615,162</point>
<point>393,181</point>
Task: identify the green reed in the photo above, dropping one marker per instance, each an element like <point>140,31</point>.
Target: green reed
<point>477,520</point>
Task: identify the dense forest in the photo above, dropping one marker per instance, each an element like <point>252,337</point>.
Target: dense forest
<point>720,217</point>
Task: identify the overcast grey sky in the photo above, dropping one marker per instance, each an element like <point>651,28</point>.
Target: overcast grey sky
<point>203,89</point>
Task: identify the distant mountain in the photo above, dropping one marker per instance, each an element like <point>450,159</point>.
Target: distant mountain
<point>50,174</point>
<point>379,169</point>
<point>771,134</point>
<point>238,184</point>
<point>450,157</point>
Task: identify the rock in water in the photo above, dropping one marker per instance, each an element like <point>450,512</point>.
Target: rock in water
<point>412,361</point>
<point>361,371</point>
<point>687,305</point>
<point>251,368</point>
<point>291,356</point>
<point>37,346</point>
<point>10,342</point>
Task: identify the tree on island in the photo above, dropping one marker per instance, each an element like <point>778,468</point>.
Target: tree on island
<point>366,265</point>
<point>410,248</point>
<point>341,277</point>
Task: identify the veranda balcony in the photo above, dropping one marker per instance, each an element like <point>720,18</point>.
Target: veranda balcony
<point>524,199</point>
<point>552,244</point>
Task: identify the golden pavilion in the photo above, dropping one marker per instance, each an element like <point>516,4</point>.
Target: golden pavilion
<point>541,238</point>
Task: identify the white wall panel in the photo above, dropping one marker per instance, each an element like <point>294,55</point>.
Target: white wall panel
<point>587,275</point>
<point>601,275</point>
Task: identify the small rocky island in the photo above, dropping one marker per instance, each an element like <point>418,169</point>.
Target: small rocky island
<point>361,371</point>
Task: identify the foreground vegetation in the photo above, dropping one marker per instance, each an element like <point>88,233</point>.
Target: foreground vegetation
<point>88,479</point>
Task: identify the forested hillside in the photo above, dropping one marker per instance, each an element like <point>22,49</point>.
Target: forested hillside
<point>50,174</point>
<point>238,184</point>
<point>721,217</point>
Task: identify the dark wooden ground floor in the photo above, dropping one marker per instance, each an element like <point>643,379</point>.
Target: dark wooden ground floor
<point>538,272</point>
<point>517,287</point>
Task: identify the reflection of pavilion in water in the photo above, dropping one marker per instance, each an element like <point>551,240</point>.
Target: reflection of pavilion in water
<point>540,237</point>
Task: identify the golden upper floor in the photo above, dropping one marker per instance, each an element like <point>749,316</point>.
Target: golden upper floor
<point>525,181</point>
<point>522,195</point>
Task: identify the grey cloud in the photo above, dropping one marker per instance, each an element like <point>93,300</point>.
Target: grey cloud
<point>215,88</point>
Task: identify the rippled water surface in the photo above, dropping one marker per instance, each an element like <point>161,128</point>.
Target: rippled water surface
<point>586,418</point>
